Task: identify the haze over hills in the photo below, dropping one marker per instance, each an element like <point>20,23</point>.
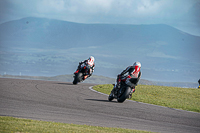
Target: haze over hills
<point>47,47</point>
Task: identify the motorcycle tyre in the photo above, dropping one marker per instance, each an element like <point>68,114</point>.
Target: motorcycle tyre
<point>125,95</point>
<point>77,78</point>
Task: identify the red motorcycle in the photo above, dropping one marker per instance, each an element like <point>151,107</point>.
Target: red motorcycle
<point>122,93</point>
<point>81,74</point>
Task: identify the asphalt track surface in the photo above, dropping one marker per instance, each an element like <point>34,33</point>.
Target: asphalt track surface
<point>77,104</point>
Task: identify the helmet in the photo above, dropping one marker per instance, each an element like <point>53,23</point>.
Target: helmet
<point>137,64</point>
<point>91,58</point>
<point>91,61</point>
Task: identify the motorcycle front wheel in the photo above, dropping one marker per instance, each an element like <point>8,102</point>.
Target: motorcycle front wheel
<point>77,78</point>
<point>110,97</point>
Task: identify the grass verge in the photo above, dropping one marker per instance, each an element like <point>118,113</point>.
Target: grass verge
<point>172,97</point>
<point>18,125</point>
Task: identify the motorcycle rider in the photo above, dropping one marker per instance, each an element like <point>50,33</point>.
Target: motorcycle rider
<point>130,76</point>
<point>89,63</point>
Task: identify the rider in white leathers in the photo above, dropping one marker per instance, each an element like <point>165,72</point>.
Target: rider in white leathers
<point>90,65</point>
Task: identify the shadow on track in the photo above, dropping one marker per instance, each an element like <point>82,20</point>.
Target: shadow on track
<point>65,83</point>
<point>100,100</point>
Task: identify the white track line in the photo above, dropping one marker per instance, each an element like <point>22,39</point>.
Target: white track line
<point>141,102</point>
<point>97,91</point>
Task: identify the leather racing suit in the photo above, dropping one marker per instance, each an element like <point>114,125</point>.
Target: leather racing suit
<point>129,76</point>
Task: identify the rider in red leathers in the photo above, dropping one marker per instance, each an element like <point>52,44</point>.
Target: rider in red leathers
<point>89,63</point>
<point>130,76</point>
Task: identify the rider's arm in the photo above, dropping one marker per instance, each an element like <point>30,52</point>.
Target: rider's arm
<point>140,73</point>
<point>125,71</point>
<point>82,62</point>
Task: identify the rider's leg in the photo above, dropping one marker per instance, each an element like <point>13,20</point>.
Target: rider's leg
<point>88,74</point>
<point>84,77</point>
<point>132,87</point>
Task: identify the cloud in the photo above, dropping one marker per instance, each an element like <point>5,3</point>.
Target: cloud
<point>179,13</point>
<point>130,9</point>
<point>162,55</point>
<point>46,6</point>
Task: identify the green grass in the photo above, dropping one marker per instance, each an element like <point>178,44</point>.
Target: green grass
<point>172,97</point>
<point>17,125</point>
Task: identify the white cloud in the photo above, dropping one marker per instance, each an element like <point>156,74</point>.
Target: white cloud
<point>45,6</point>
<point>104,4</point>
<point>162,55</point>
<point>175,13</point>
<point>88,7</point>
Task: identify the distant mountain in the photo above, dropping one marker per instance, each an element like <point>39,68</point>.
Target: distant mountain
<point>47,47</point>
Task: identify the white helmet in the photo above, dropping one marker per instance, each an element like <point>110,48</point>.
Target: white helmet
<point>91,58</point>
<point>137,64</point>
<point>91,61</point>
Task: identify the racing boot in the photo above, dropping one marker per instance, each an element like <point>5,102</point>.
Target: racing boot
<point>133,90</point>
<point>84,77</point>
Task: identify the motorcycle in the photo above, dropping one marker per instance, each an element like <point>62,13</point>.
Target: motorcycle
<point>80,73</point>
<point>125,91</point>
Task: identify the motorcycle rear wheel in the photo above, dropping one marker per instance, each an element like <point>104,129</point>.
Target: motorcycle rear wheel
<point>125,95</point>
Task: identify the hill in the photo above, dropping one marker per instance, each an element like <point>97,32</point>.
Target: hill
<point>95,79</point>
<point>47,47</point>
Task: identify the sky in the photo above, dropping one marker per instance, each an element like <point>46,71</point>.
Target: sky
<point>181,14</point>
